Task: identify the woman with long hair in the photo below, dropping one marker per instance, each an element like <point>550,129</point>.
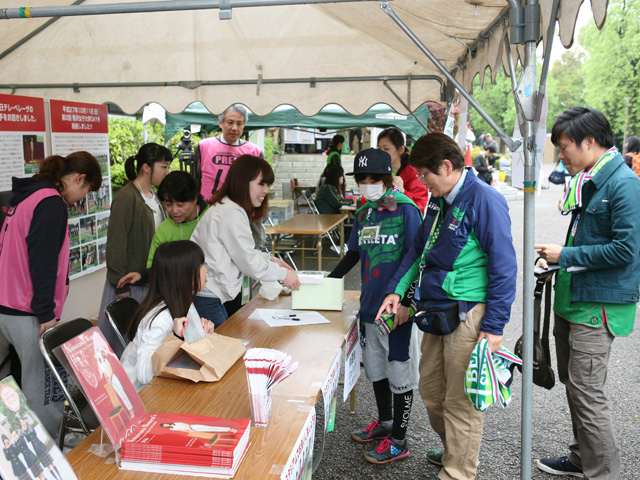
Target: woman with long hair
<point>330,197</point>
<point>177,274</point>
<point>136,213</point>
<point>405,177</point>
<point>224,233</point>
<point>34,267</point>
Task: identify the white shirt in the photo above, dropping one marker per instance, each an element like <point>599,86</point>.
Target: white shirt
<point>136,358</point>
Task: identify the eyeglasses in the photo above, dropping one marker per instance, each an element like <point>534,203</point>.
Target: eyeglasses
<point>421,176</point>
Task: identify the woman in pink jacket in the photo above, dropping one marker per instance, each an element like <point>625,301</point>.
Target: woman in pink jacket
<point>34,268</point>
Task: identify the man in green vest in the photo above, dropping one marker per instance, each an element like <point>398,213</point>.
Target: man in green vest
<point>597,285</point>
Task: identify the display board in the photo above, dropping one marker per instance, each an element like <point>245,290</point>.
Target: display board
<point>32,129</point>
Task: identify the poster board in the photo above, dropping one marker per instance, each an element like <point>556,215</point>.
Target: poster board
<point>75,127</point>
<point>22,137</point>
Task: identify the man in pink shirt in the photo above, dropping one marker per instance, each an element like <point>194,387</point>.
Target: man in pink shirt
<point>216,154</point>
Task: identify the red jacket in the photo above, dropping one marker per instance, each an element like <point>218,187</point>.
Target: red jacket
<point>413,187</point>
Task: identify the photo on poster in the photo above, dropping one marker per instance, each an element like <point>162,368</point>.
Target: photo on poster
<point>78,209</point>
<point>102,251</point>
<point>28,450</point>
<point>75,261</point>
<point>88,229</point>
<point>89,256</point>
<point>103,160</point>
<point>104,195</point>
<point>33,151</point>
<point>103,224</point>
<point>74,233</point>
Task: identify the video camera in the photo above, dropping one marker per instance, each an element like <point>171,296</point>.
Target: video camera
<point>185,151</point>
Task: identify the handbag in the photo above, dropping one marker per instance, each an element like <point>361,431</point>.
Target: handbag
<point>557,177</point>
<point>437,318</point>
<point>543,374</point>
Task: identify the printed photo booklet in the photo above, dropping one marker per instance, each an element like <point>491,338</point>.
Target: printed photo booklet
<point>154,442</point>
<point>29,451</point>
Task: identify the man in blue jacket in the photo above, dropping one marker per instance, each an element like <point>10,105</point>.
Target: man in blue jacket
<point>597,286</point>
<point>462,262</point>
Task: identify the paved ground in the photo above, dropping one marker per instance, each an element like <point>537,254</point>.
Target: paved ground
<point>500,454</point>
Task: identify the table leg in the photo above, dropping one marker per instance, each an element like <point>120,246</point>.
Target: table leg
<point>341,239</point>
<point>319,253</point>
<point>352,400</point>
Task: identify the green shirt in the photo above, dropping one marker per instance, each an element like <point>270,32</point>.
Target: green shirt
<point>170,231</point>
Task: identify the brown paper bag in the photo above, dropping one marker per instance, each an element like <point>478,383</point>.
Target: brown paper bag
<point>206,360</point>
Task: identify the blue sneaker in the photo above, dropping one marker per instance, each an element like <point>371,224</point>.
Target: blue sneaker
<point>559,466</point>
<point>387,451</point>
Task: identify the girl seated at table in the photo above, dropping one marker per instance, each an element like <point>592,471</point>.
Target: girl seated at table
<point>177,273</point>
<point>329,198</point>
<point>224,233</point>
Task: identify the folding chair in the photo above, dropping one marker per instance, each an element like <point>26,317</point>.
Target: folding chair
<point>76,407</point>
<point>120,312</point>
<point>283,246</point>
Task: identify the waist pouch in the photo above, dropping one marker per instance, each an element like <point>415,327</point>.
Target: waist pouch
<point>437,318</point>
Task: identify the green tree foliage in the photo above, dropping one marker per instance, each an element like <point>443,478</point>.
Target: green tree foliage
<point>567,78</point>
<point>497,100</point>
<point>611,65</point>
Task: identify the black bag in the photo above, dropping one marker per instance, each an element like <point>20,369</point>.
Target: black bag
<point>557,177</point>
<point>437,319</point>
<point>543,375</point>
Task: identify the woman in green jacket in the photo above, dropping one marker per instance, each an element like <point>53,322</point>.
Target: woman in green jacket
<point>329,198</point>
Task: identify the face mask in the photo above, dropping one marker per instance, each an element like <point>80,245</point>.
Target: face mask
<point>372,192</point>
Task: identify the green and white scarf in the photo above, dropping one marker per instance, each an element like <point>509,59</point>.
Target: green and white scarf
<point>488,377</point>
<point>573,196</point>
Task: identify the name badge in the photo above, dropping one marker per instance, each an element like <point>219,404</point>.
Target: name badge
<point>370,233</point>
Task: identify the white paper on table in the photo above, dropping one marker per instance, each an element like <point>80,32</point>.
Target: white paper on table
<point>258,313</point>
<point>304,318</point>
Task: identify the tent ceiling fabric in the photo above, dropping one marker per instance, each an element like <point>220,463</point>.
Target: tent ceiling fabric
<point>337,41</point>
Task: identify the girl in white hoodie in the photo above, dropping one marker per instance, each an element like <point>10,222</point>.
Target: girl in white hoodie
<point>224,233</point>
<point>177,273</point>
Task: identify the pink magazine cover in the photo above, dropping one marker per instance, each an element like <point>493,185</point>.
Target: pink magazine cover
<point>105,384</point>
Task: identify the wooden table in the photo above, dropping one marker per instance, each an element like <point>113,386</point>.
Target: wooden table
<point>309,224</point>
<point>313,346</point>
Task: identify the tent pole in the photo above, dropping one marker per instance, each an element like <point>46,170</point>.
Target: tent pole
<point>224,6</point>
<point>406,106</point>
<point>513,145</point>
<point>527,95</point>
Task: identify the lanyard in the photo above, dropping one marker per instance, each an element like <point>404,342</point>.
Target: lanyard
<point>433,236</point>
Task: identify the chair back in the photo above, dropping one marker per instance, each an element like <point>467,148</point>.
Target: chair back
<point>61,333</point>
<point>50,340</point>
<point>120,312</point>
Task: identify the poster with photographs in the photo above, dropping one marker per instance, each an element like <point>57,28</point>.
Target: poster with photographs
<point>29,451</point>
<point>22,137</point>
<point>75,127</point>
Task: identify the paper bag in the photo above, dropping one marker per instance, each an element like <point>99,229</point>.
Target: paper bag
<point>206,360</point>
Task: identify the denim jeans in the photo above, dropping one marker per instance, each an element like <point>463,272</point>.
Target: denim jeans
<point>212,309</point>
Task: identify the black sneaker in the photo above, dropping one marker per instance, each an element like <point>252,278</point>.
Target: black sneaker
<point>559,466</point>
<point>387,451</point>
<point>373,431</point>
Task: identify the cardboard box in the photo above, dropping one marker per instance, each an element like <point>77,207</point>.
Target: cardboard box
<point>328,295</point>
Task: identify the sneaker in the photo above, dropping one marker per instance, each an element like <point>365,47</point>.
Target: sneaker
<point>559,466</point>
<point>387,451</point>
<point>373,431</point>
<point>435,456</point>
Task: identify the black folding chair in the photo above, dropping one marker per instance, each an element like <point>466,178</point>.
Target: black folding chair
<point>77,411</point>
<point>120,312</point>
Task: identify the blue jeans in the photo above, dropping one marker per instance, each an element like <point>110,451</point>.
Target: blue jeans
<point>212,309</point>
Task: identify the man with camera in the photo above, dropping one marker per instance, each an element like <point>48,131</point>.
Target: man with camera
<point>214,156</point>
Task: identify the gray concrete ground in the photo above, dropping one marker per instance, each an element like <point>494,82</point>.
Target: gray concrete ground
<point>500,454</point>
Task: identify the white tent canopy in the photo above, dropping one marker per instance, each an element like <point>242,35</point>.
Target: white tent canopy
<point>304,55</point>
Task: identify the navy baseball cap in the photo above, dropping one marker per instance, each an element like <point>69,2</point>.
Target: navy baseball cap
<point>372,160</point>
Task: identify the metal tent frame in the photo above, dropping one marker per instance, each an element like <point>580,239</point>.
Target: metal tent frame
<point>525,29</point>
